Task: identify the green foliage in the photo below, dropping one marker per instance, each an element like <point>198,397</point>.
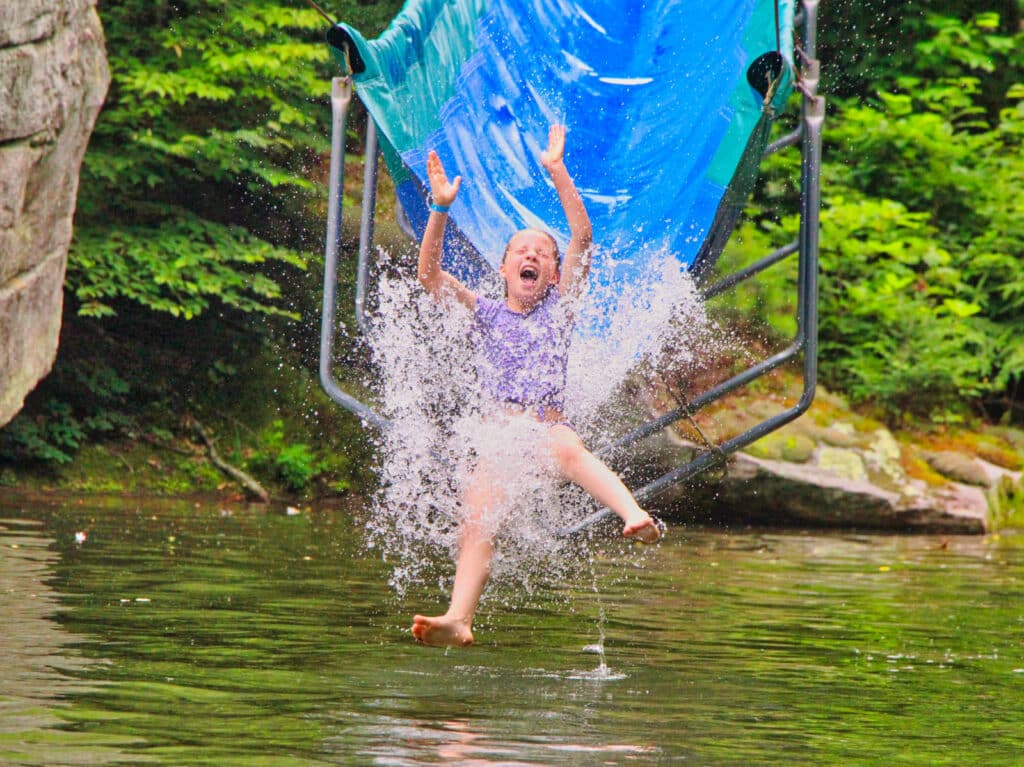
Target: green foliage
<point>939,270</point>
<point>51,439</point>
<point>1006,504</point>
<point>199,175</point>
<point>862,43</point>
<point>922,227</point>
<point>53,431</point>
<point>297,465</point>
<point>293,463</point>
<point>769,300</point>
<point>206,127</point>
<point>177,267</point>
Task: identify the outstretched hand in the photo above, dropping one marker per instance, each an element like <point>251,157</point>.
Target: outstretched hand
<point>442,191</point>
<point>556,146</point>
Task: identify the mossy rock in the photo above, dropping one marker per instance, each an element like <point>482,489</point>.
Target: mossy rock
<point>999,450</point>
<point>916,467</point>
<point>958,467</point>
<point>828,409</point>
<point>786,445</point>
<point>885,452</point>
<point>840,434</point>
<point>842,462</point>
<point>992,444</point>
<point>823,396</point>
<point>1006,504</point>
<point>727,421</point>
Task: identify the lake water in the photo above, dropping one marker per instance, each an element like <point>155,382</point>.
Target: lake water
<point>184,634</point>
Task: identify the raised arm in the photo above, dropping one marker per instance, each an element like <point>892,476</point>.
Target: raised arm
<point>576,262</point>
<point>437,282</point>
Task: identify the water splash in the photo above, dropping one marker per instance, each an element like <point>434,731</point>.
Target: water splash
<point>446,435</point>
<point>602,673</point>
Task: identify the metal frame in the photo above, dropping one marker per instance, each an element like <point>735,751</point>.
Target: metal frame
<point>807,134</point>
<point>341,98</point>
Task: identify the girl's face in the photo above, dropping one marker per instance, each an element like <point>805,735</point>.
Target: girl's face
<point>529,268</point>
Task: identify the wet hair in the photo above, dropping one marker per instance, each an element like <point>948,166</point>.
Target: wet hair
<point>558,255</point>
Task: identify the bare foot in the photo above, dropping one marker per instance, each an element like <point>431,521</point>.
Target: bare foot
<point>647,529</point>
<point>442,631</point>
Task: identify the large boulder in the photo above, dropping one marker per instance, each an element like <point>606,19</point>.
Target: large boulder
<point>53,79</point>
<point>831,468</point>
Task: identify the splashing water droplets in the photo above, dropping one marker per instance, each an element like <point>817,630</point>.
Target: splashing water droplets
<point>655,321</point>
<point>445,432</point>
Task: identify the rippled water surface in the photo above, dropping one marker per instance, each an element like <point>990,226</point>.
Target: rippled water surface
<point>192,634</point>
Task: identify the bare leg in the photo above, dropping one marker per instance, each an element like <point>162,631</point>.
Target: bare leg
<point>476,547</point>
<point>589,472</point>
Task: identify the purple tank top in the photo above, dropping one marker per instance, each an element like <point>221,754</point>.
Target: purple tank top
<point>524,356</point>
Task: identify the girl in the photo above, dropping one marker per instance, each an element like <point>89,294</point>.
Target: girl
<point>525,345</point>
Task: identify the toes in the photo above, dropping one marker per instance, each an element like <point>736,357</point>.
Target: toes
<point>440,632</point>
<point>420,624</point>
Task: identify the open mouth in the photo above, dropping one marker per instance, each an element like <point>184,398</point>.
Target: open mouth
<point>528,274</point>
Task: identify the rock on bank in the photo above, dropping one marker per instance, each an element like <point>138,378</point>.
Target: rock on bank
<point>53,79</point>
<point>833,468</point>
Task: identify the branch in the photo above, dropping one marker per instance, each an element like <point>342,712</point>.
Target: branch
<point>234,472</point>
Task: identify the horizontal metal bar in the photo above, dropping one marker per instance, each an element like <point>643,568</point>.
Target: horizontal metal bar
<point>708,458</point>
<point>700,463</point>
<point>737,277</point>
<point>790,139</point>
<point>704,399</point>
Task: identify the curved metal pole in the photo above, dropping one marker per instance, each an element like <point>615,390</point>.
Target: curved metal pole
<point>341,97</point>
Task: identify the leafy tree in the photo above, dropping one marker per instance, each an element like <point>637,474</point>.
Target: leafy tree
<point>202,164</point>
<point>862,43</point>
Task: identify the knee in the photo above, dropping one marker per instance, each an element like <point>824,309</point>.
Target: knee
<point>567,449</point>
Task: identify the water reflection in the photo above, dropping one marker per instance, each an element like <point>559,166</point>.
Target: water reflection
<point>488,710</point>
<point>184,635</point>
<point>41,670</point>
<point>465,743</point>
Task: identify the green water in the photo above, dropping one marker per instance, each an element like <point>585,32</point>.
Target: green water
<point>185,635</point>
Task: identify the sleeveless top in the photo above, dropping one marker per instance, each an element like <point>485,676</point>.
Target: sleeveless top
<point>523,357</point>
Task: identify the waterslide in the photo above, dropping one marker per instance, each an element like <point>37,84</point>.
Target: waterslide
<point>668,105</point>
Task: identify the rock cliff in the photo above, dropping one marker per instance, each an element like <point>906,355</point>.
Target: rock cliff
<point>53,79</point>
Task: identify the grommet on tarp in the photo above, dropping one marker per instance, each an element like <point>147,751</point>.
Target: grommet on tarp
<point>765,71</point>
<point>339,39</point>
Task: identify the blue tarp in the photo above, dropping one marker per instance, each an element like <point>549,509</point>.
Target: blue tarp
<point>654,93</point>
